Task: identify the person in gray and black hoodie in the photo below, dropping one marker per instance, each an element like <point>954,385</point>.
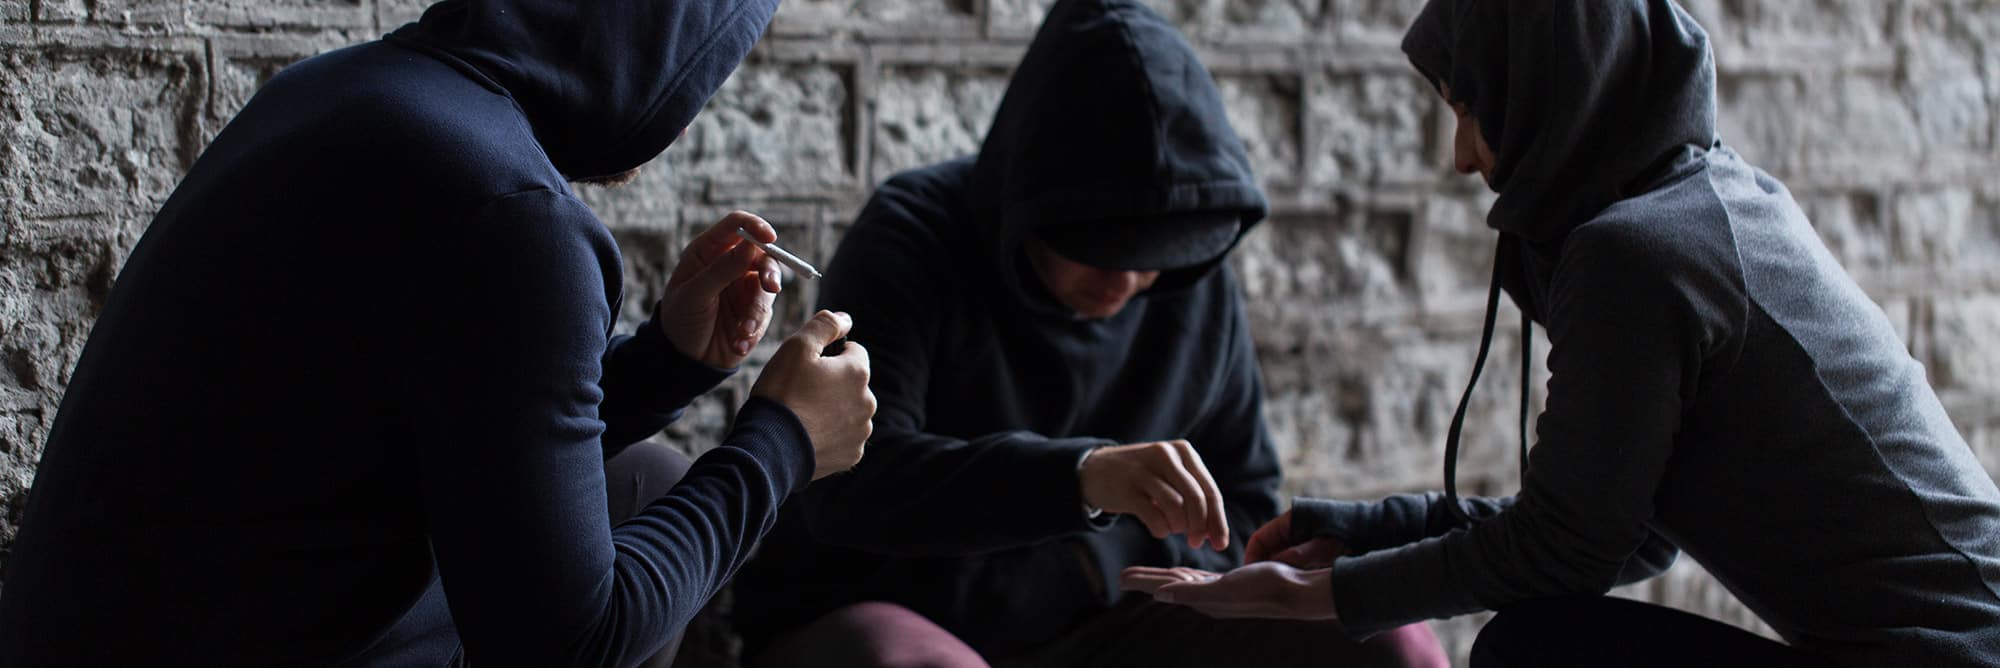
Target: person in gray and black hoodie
<point>1068,387</point>
<point>1718,386</point>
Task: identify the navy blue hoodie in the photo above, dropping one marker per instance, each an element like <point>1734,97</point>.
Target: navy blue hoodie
<point>349,401</point>
<point>1718,384</point>
<point>967,508</point>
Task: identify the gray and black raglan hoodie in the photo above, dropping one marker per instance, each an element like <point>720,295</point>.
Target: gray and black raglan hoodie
<point>1718,383</point>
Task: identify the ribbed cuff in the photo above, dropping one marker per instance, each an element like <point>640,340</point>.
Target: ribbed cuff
<point>1054,465</point>
<point>1391,522</point>
<point>1094,519</point>
<point>772,434</point>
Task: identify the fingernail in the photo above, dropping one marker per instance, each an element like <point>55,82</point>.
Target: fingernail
<point>749,326</point>
<point>743,347</point>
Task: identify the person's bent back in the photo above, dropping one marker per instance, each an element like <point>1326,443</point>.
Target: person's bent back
<point>350,399</point>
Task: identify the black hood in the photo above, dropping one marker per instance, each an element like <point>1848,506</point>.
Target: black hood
<point>606,84</point>
<point>1110,118</point>
<point>1585,102</point>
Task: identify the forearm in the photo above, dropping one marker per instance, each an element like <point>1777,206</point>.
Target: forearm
<point>683,548</point>
<point>926,495</point>
<point>1652,558</point>
<point>509,450</point>
<point>611,598</point>
<point>1394,521</point>
<point>647,384</point>
<point>1523,553</point>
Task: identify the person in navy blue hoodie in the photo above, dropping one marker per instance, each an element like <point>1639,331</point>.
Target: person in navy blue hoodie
<point>351,398</point>
<point>1718,386</point>
<point>1069,386</point>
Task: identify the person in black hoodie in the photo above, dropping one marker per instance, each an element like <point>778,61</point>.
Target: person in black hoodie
<point>1718,386</point>
<point>1066,376</point>
<point>351,398</point>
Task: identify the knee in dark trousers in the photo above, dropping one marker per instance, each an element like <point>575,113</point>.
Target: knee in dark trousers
<point>639,475</point>
<point>1610,631</point>
<point>1507,641</point>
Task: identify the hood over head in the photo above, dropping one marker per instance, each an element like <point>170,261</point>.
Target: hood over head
<point>1111,120</point>
<point>606,84</point>
<point>1584,102</point>
<point>1154,243</point>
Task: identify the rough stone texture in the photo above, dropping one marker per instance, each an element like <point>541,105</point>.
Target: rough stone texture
<point>1265,112</point>
<point>926,114</point>
<point>151,13</point>
<point>1015,18</point>
<point>1966,357</point>
<point>1365,289</point>
<point>772,123</point>
<point>1370,128</point>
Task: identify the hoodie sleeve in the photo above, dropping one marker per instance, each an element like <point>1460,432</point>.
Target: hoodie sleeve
<point>647,384</point>
<point>1628,339</point>
<point>917,493</point>
<point>504,394</point>
<point>1395,521</point>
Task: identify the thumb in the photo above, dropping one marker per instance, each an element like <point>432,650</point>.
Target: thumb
<point>823,329</point>
<point>1294,556</point>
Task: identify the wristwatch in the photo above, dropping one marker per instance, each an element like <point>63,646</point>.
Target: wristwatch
<point>1090,512</point>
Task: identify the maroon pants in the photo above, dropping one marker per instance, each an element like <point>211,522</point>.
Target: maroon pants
<point>1136,632</point>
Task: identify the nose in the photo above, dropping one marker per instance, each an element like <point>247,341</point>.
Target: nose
<point>1464,164</point>
<point>1464,155</point>
<point>1119,283</point>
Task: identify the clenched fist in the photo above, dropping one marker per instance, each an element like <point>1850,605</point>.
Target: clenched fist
<point>829,393</point>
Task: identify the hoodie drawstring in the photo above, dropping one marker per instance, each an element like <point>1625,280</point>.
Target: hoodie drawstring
<point>1527,389</point>
<point>1451,440</point>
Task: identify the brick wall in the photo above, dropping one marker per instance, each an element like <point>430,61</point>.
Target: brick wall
<point>1365,289</point>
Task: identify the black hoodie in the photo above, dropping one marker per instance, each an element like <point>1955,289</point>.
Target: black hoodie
<point>350,398</point>
<point>967,507</point>
<point>1718,383</point>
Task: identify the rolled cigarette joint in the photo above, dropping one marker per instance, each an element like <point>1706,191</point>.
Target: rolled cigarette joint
<point>784,256</point>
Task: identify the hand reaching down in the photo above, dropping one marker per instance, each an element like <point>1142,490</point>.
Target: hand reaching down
<point>1273,542</point>
<point>1163,483</point>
